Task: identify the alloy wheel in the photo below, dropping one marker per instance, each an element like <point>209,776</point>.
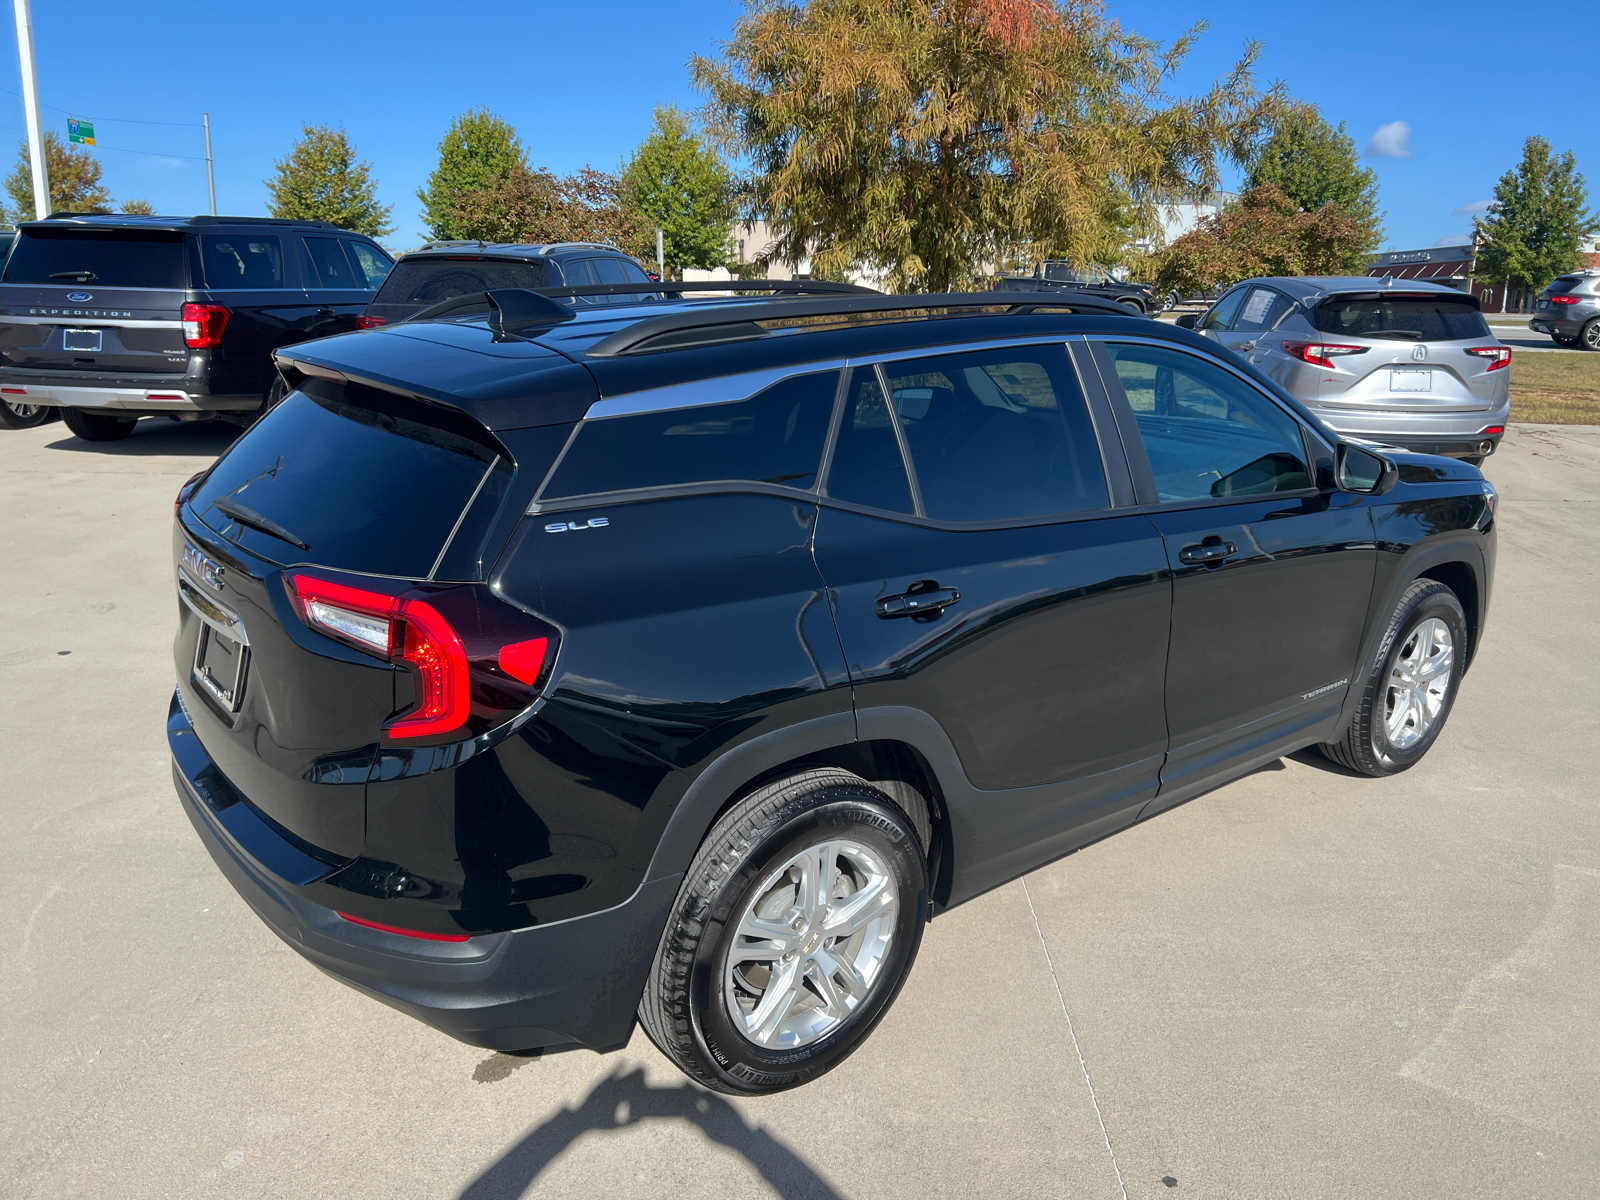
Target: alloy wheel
<point>1591,336</point>
<point>810,945</point>
<point>1419,683</point>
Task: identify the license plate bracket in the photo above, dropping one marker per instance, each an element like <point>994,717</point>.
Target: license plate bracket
<point>219,666</point>
<point>88,340</point>
<point>1411,379</point>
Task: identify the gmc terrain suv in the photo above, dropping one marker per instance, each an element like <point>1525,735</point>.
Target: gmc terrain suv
<point>111,318</point>
<point>542,666</point>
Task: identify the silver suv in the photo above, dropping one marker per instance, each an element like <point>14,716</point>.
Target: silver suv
<point>1408,364</point>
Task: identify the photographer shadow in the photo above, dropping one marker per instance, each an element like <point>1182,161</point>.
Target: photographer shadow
<point>627,1098</point>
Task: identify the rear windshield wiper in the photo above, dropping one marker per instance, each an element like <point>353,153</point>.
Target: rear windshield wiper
<point>80,276</point>
<point>246,515</point>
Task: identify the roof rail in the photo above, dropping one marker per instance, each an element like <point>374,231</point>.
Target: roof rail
<point>740,321</point>
<point>812,287</point>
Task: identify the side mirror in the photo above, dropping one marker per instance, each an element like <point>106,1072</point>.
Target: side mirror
<point>1362,471</point>
<point>1187,320</point>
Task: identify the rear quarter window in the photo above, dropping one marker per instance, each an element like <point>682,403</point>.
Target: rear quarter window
<point>1404,318</point>
<point>775,437</point>
<point>111,258</point>
<point>242,260</point>
<point>424,281</point>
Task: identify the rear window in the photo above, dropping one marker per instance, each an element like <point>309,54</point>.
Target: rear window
<point>1420,319</point>
<point>376,486</point>
<point>775,436</point>
<point>1567,283</point>
<point>113,258</point>
<point>429,280</point>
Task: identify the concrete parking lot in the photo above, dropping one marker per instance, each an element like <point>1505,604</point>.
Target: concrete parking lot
<point>1304,984</point>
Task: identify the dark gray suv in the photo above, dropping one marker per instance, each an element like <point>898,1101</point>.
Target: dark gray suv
<point>1569,310</point>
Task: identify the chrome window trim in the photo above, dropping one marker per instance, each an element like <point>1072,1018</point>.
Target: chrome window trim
<point>108,322</point>
<point>700,393</point>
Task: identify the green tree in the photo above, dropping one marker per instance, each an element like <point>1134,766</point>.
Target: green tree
<point>1313,164</point>
<point>925,139</point>
<point>1539,224</point>
<point>1264,233</point>
<point>139,208</point>
<point>480,152</point>
<point>539,206</point>
<point>682,187</point>
<point>74,180</point>
<point>320,179</point>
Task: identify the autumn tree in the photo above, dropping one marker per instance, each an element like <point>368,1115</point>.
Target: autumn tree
<point>926,138</point>
<point>321,179</point>
<point>1264,233</point>
<point>681,186</point>
<point>74,180</point>
<point>479,153</point>
<point>539,206</point>
<point>1538,225</point>
<point>1313,164</point>
<point>138,208</point>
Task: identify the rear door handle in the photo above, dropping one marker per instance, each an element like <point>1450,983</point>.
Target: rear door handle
<point>916,604</point>
<point>1242,347</point>
<point>1212,550</point>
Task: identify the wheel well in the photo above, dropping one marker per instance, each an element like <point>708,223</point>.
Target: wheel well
<point>1458,577</point>
<point>900,771</point>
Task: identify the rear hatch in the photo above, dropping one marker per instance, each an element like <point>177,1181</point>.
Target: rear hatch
<point>1408,352</point>
<point>103,301</point>
<point>297,557</point>
<point>421,280</point>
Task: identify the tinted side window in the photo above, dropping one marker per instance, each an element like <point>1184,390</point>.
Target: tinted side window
<point>242,260</point>
<point>1222,314</point>
<point>1207,432</point>
<point>867,466</point>
<point>775,436</point>
<point>328,258</point>
<point>369,263</point>
<point>998,434</point>
<point>433,278</point>
<point>1261,308</point>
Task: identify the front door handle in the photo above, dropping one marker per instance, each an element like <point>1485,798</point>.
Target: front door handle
<point>917,604</point>
<point>1242,347</point>
<point>325,311</point>
<point>1212,550</point>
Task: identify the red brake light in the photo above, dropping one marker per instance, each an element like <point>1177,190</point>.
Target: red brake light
<point>371,322</point>
<point>1501,355</point>
<point>469,683</point>
<point>1493,429</point>
<point>1319,353</point>
<point>203,325</point>
<point>413,933</point>
<point>1564,299</point>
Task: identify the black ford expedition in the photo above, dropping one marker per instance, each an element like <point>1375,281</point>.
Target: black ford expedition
<point>539,667</point>
<point>110,318</point>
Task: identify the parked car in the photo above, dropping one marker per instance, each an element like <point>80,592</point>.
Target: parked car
<point>1569,310</point>
<point>538,667</point>
<point>111,318</point>
<point>19,414</point>
<point>1404,363</point>
<point>1096,281</point>
<point>444,270</point>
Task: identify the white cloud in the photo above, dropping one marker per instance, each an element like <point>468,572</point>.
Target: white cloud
<point>1477,206</point>
<point>1390,141</point>
<point>1455,239</point>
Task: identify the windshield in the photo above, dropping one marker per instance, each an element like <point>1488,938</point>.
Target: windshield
<point>1404,318</point>
<point>430,279</point>
<point>109,258</point>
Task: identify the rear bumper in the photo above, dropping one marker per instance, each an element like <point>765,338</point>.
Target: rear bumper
<point>1566,328</point>
<point>124,398</point>
<point>1459,435</point>
<point>576,981</point>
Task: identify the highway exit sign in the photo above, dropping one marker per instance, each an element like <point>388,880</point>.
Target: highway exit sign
<point>81,132</point>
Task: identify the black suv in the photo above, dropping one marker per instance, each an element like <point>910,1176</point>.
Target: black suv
<point>541,667</point>
<point>111,318</point>
<point>1096,281</point>
<point>444,270</point>
<point>1569,310</point>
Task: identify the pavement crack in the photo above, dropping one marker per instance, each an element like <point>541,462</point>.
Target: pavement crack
<point>1073,1034</point>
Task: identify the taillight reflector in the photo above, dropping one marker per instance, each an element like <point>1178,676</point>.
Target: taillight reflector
<point>1319,354</point>
<point>204,324</point>
<point>187,489</point>
<point>1501,355</point>
<point>410,933</point>
<point>14,391</point>
<point>524,660</point>
<point>371,322</point>
<point>1492,429</point>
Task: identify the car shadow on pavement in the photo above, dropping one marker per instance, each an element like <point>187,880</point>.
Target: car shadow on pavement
<point>627,1098</point>
<point>155,436</point>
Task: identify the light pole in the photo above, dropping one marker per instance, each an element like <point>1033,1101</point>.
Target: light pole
<point>30,104</point>
<point>211,180</point>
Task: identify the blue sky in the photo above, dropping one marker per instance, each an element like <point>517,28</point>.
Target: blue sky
<point>579,82</point>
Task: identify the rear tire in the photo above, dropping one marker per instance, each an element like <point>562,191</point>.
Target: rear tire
<point>93,427</point>
<point>25,416</point>
<point>1407,695</point>
<point>1589,339</point>
<point>1133,304</point>
<point>764,981</point>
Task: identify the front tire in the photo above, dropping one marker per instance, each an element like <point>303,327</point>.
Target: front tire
<point>25,416</point>
<point>1407,696</point>
<point>95,427</point>
<point>794,929</point>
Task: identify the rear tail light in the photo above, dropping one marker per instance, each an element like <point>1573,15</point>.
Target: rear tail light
<point>203,325</point>
<point>1319,354</point>
<point>371,322</point>
<point>474,659</point>
<point>1564,299</point>
<point>1500,356</point>
<point>187,489</point>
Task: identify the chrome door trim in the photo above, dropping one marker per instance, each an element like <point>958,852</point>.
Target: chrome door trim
<point>67,318</point>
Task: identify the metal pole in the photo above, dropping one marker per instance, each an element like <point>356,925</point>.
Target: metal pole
<point>30,104</point>
<point>661,262</point>
<point>211,179</point>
